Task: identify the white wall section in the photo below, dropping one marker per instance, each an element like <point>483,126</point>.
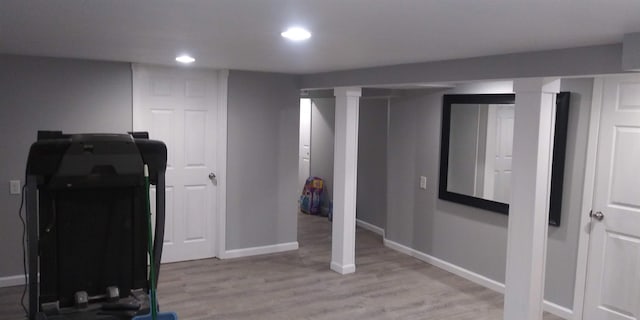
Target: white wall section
<point>304,143</point>
<point>529,205</point>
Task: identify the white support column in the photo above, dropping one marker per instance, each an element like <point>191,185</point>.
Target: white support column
<point>345,180</point>
<point>529,207</point>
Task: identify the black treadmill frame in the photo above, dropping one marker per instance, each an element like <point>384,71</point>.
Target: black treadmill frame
<point>32,223</point>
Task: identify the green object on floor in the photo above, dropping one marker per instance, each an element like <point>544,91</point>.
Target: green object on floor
<point>154,314</point>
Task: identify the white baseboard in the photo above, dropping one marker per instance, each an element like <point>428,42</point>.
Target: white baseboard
<point>370,227</point>
<point>254,251</point>
<point>550,307</point>
<point>12,281</point>
<point>464,273</point>
<point>347,269</point>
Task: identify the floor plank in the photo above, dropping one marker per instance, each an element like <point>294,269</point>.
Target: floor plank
<point>299,285</point>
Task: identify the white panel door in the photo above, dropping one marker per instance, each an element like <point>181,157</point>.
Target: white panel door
<point>499,151</point>
<point>179,107</point>
<point>305,142</point>
<point>613,272</point>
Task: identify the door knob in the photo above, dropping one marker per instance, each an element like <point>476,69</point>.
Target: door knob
<point>212,175</point>
<point>597,215</point>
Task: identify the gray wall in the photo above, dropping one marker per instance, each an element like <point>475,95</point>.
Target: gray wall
<point>562,246</point>
<point>323,112</point>
<point>372,148</point>
<point>263,121</point>
<point>51,94</point>
<point>471,238</point>
<point>88,96</point>
<point>371,205</point>
<point>584,61</point>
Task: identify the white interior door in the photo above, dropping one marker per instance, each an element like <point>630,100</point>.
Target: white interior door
<point>499,152</point>
<point>305,141</point>
<point>179,107</point>
<point>613,271</point>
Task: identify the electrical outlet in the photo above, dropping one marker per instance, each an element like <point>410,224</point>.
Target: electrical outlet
<point>423,182</point>
<point>14,186</point>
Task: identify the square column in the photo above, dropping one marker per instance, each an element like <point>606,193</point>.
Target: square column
<point>529,207</point>
<point>345,180</point>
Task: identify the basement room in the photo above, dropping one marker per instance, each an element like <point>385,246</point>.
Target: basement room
<point>280,159</point>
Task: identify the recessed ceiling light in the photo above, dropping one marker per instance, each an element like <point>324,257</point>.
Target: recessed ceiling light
<point>296,34</point>
<point>185,59</point>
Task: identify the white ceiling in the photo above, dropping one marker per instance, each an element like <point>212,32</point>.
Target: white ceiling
<point>347,34</point>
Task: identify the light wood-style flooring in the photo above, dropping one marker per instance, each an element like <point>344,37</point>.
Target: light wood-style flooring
<point>299,285</point>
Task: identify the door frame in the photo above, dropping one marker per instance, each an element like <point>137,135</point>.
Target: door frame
<point>220,212</point>
<point>588,195</point>
<point>303,177</point>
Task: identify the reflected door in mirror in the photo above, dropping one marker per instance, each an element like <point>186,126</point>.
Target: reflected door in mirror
<point>476,151</point>
<point>499,146</point>
<point>481,140</point>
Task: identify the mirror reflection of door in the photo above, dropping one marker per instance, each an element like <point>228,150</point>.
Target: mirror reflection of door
<point>499,146</point>
<point>481,142</point>
<point>475,151</point>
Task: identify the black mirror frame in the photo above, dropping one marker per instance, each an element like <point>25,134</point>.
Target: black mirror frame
<point>558,158</point>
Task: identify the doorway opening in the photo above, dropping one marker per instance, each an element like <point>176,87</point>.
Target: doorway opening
<point>316,159</point>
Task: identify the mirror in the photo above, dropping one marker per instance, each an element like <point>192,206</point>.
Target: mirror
<point>475,158</point>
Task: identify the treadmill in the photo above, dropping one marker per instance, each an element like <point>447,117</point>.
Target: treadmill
<point>87,224</point>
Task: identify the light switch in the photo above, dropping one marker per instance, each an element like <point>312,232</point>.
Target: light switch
<point>423,182</point>
<point>14,186</point>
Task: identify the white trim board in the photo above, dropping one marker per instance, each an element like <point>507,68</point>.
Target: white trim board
<point>550,307</point>
<point>368,226</point>
<point>351,268</point>
<point>221,162</point>
<point>246,252</point>
<point>587,197</point>
<point>12,281</point>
